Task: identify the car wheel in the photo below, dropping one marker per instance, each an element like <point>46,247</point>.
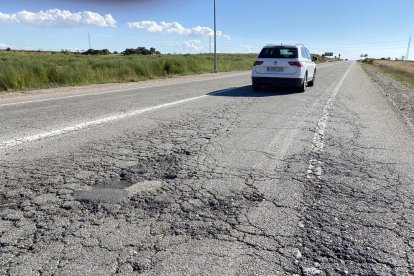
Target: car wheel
<point>312,82</point>
<point>302,88</point>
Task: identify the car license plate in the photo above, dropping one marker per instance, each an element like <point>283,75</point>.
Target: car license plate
<point>275,69</point>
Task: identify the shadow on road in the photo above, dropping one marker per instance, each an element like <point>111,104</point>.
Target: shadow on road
<point>247,91</point>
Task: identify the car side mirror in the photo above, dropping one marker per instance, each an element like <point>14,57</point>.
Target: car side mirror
<point>314,58</point>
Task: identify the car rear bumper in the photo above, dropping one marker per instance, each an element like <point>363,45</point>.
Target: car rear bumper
<point>286,82</point>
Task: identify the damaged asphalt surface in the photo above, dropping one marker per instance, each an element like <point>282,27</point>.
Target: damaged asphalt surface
<point>215,186</point>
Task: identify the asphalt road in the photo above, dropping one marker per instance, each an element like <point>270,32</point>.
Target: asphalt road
<point>202,176</point>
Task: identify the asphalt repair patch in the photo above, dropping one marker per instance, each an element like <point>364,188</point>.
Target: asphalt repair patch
<point>114,195</point>
<point>104,195</point>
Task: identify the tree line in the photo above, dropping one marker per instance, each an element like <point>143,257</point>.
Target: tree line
<point>94,52</point>
<point>128,51</point>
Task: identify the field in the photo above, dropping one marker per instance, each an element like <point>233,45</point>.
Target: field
<point>33,70</point>
<point>400,70</point>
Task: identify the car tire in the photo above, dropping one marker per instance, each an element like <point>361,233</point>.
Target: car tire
<point>302,88</point>
<point>312,82</point>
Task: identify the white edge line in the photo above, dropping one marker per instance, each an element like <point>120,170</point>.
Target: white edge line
<point>57,132</point>
<point>120,90</point>
<point>315,165</point>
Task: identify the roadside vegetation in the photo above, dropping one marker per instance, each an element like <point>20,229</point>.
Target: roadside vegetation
<point>23,70</point>
<point>402,71</point>
<point>322,58</point>
<point>319,58</point>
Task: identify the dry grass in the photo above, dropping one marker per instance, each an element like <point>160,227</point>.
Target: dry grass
<point>405,66</point>
<point>402,71</point>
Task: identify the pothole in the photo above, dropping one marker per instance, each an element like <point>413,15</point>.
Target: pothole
<point>115,194</point>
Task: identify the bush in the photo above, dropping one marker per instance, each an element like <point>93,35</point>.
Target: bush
<point>368,60</point>
<point>140,51</point>
<point>97,52</point>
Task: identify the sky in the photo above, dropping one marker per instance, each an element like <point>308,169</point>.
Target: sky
<point>379,28</point>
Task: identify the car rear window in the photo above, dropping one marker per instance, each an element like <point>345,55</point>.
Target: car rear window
<point>279,52</point>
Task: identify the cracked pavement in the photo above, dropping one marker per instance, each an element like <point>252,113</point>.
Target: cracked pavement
<point>216,186</point>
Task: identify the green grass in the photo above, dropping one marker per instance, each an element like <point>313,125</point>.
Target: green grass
<point>34,70</point>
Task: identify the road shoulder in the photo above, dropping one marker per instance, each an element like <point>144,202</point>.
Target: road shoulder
<point>400,95</point>
<point>359,215</point>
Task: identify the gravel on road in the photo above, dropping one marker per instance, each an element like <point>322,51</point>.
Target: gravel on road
<point>399,94</point>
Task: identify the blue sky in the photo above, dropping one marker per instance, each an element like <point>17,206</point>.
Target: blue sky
<point>380,28</point>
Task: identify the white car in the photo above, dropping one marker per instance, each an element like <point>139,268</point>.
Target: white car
<point>284,65</point>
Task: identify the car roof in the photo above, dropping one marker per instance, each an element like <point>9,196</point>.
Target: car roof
<point>282,45</point>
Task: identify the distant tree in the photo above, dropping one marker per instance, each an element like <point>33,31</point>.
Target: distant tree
<point>115,52</point>
<point>389,58</point>
<point>339,56</point>
<point>8,49</point>
<point>140,51</point>
<point>396,59</point>
<point>97,52</point>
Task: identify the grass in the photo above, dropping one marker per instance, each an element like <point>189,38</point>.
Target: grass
<point>319,58</point>
<point>33,70</point>
<point>402,71</point>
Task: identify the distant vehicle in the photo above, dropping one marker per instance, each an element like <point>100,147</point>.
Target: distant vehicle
<point>284,65</point>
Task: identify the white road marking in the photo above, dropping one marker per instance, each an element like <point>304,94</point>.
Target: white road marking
<point>119,90</point>
<point>57,132</point>
<point>315,165</point>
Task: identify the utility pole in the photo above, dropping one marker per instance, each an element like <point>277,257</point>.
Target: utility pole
<point>89,36</point>
<point>215,39</point>
<point>408,49</point>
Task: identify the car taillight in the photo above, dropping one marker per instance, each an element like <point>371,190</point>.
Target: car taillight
<point>295,63</point>
<point>257,63</point>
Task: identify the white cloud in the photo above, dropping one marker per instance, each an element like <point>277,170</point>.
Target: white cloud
<point>188,46</point>
<point>4,46</point>
<point>59,18</point>
<point>191,45</point>
<point>174,28</point>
